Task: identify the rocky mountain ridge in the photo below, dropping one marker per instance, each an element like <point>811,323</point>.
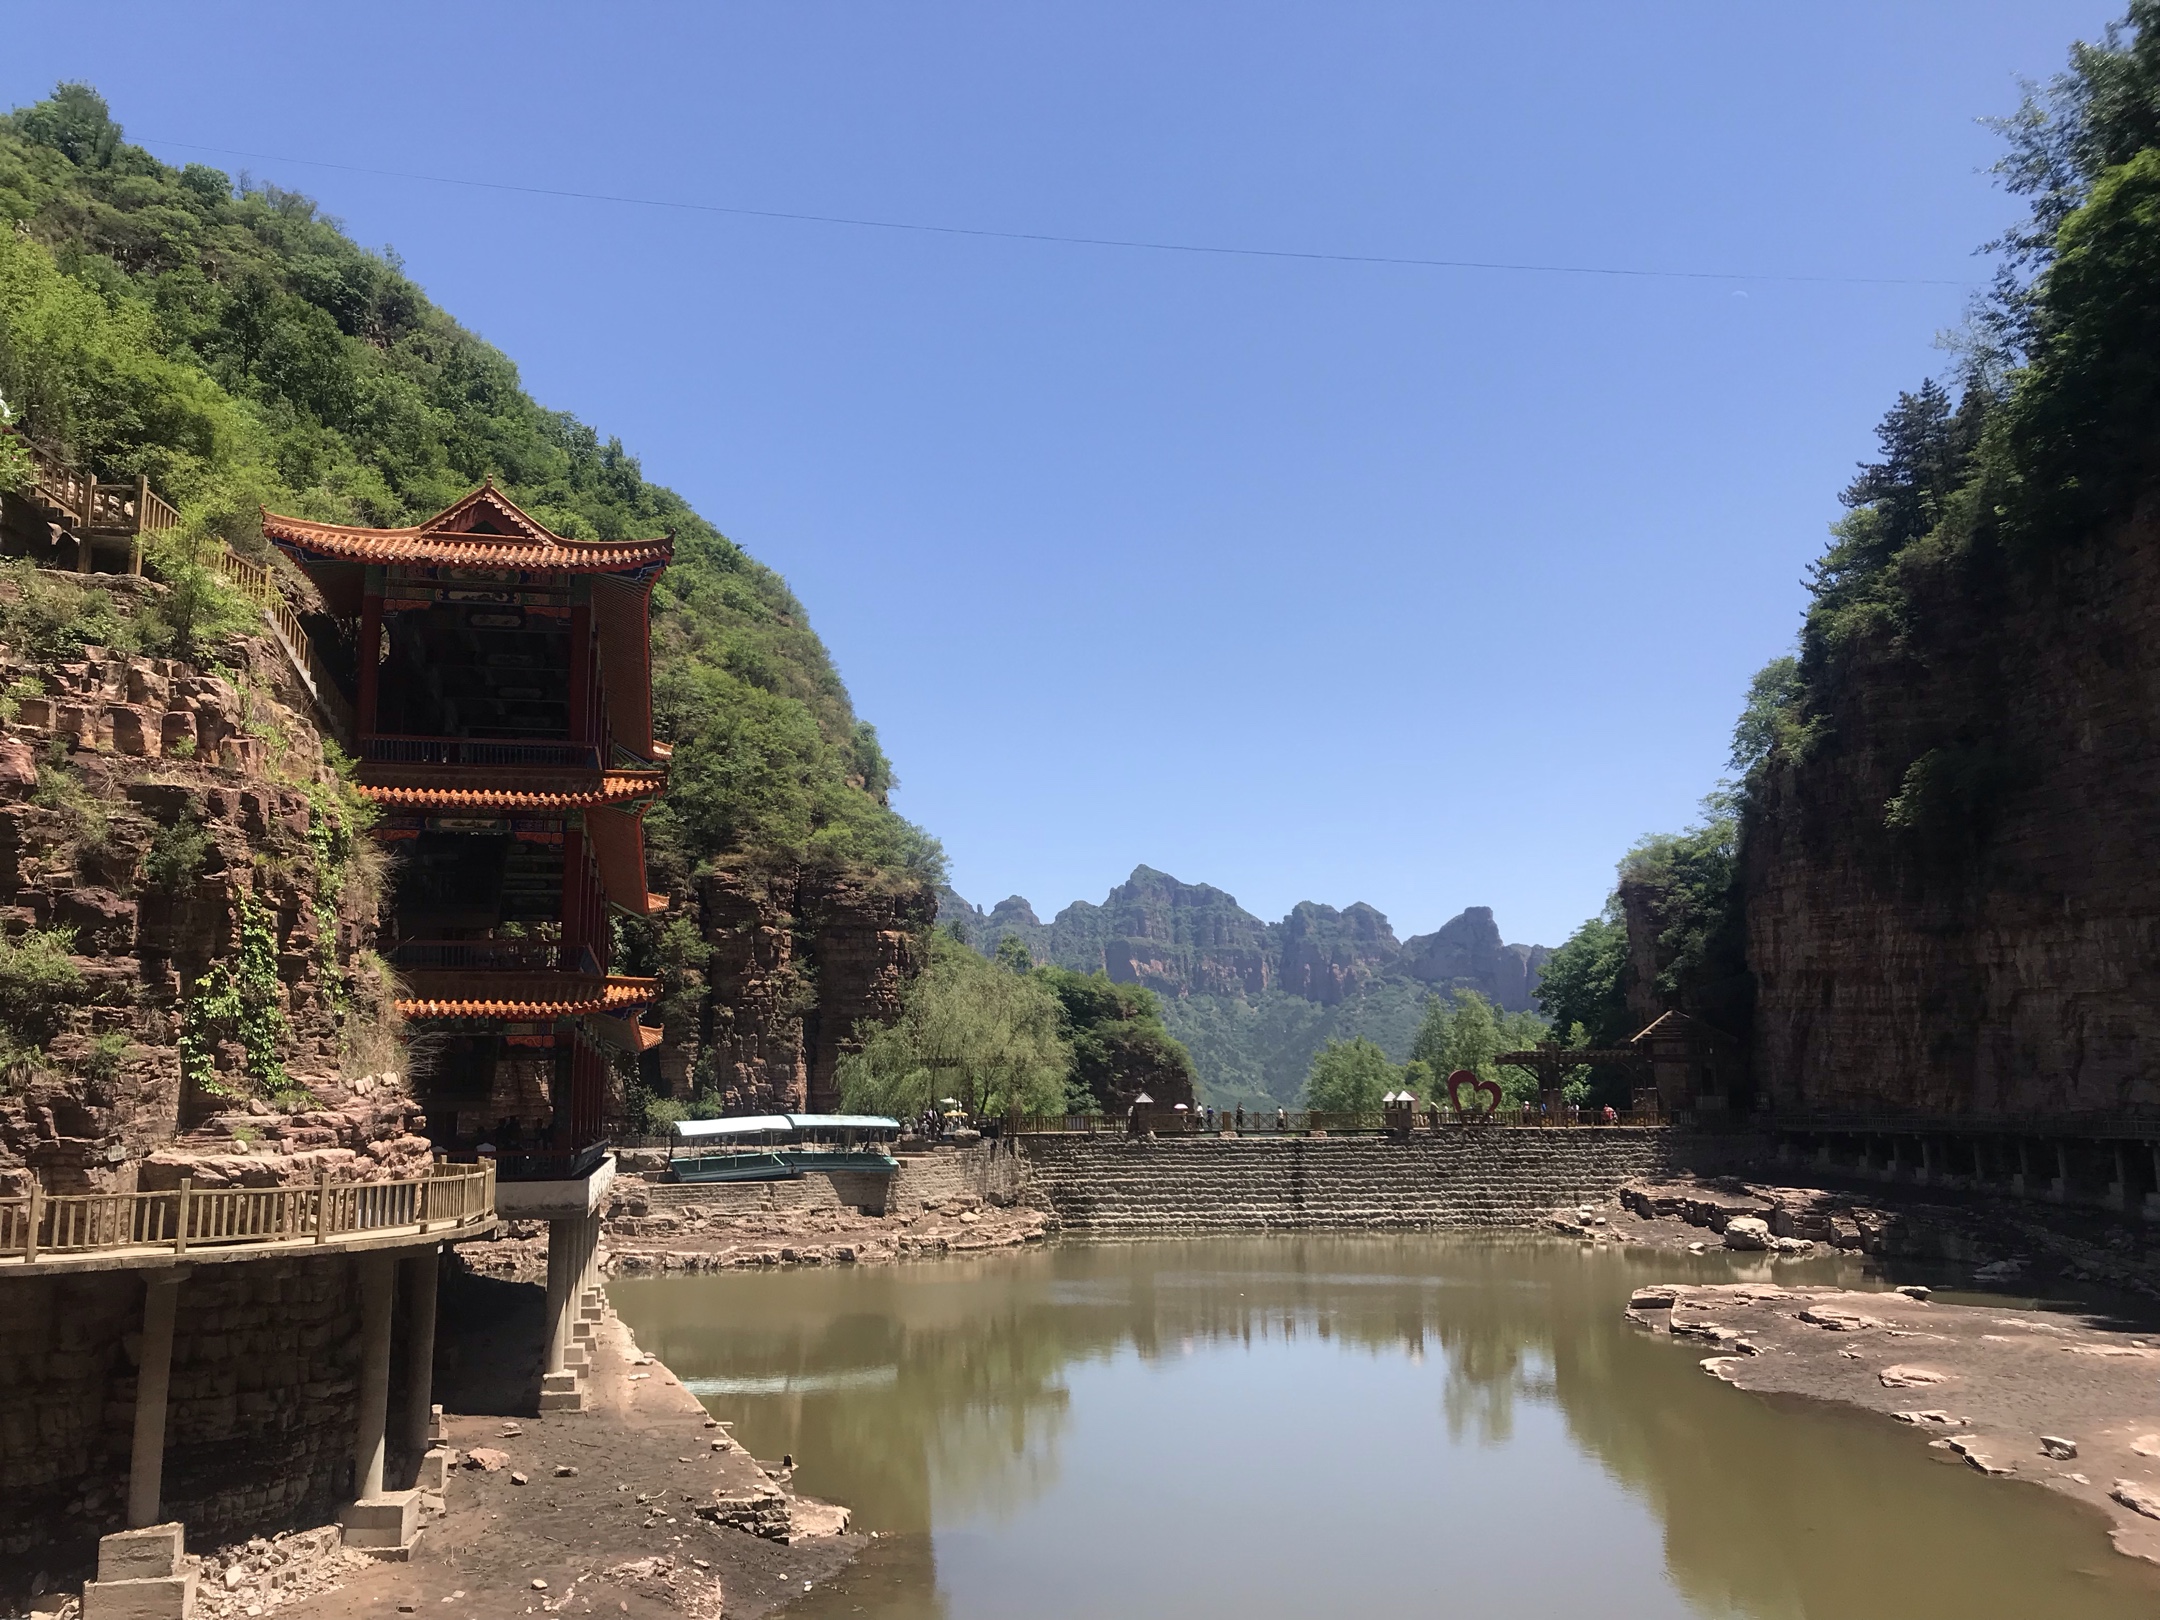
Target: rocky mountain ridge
<point>1251,1000</point>
<point>1181,939</point>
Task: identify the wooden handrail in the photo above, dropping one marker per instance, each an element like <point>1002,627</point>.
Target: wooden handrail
<point>257,583</point>
<point>45,1226</point>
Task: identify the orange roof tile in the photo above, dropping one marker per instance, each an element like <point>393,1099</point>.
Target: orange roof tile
<point>617,995</point>
<point>611,787</point>
<point>454,538</point>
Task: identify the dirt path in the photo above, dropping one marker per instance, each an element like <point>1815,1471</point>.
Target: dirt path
<point>627,1508</point>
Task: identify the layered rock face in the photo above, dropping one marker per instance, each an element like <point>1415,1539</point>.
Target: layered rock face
<point>2000,954</point>
<point>799,959</point>
<point>144,806</point>
<point>1185,939</point>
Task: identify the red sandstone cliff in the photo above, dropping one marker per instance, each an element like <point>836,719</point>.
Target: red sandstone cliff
<point>140,800</point>
<point>799,957</point>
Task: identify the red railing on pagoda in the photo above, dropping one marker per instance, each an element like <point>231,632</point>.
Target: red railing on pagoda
<point>382,750</point>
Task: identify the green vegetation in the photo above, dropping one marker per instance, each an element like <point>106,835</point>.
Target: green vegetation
<point>242,999</point>
<point>2052,430</point>
<point>2051,434</point>
<point>1258,1051</point>
<point>1463,1030</point>
<point>178,853</point>
<point>238,348</point>
<point>971,1030</point>
<point>1459,1029</point>
<point>1120,1046</point>
<point>1350,1077</point>
<point>39,983</point>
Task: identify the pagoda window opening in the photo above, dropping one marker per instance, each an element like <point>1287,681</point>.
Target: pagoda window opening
<point>483,672</point>
<point>476,900</point>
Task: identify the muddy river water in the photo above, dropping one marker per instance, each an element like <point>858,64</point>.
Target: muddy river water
<point>1340,1426</point>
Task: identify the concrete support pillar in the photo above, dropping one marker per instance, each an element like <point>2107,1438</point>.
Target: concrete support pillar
<point>419,1352</point>
<point>378,1283</point>
<point>2152,1199</point>
<point>2021,1183</point>
<point>2119,1189</point>
<point>153,1383</point>
<point>561,1288</point>
<point>1930,1168</point>
<point>2060,1190</point>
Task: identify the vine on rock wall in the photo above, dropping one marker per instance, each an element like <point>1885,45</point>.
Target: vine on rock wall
<point>243,996</point>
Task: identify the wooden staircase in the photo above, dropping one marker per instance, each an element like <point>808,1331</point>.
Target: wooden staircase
<point>113,523</point>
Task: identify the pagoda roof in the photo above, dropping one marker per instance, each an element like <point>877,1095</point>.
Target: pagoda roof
<point>525,997</point>
<point>482,788</point>
<point>486,530</point>
<point>618,845</point>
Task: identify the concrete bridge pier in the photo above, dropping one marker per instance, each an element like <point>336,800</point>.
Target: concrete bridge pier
<point>420,1284</point>
<point>378,1521</point>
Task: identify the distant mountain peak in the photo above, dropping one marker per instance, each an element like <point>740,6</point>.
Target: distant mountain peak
<point>1184,939</point>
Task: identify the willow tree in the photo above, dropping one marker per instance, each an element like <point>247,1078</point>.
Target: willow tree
<point>970,1030</point>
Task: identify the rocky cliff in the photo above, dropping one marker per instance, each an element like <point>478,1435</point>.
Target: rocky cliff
<point>1254,1000</point>
<point>162,825</point>
<point>1997,950</point>
<point>798,959</point>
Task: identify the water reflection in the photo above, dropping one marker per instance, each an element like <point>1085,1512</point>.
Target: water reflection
<point>1279,1425</point>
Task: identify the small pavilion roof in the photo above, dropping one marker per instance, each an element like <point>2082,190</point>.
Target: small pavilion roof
<point>470,790</point>
<point>485,530</point>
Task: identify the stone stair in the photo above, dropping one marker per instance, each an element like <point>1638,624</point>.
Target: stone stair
<point>1468,1177</point>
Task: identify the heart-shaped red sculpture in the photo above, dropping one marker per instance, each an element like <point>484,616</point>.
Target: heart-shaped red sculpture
<point>1490,1089</point>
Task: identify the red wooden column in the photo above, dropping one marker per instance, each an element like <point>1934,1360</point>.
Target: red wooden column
<point>573,894</point>
<point>370,651</point>
<point>581,673</point>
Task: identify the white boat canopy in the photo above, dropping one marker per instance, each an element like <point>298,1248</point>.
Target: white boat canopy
<point>772,1124</point>
<point>747,1125</point>
<point>843,1122</point>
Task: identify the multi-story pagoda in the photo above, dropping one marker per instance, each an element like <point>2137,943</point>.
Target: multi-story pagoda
<point>504,719</point>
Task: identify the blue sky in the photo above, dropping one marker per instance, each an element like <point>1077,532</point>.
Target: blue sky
<point>1313,580</point>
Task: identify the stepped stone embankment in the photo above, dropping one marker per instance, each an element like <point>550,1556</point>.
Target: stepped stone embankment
<point>1456,1178</point>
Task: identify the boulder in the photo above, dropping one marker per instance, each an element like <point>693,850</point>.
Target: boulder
<point>1747,1232</point>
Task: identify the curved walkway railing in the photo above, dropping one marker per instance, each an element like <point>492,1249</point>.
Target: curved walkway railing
<point>186,1220</point>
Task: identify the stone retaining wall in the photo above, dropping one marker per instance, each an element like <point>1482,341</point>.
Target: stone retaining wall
<point>259,1426</point>
<point>1456,1178</point>
<point>988,1170</point>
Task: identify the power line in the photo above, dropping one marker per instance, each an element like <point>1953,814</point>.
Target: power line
<point>1056,239</point>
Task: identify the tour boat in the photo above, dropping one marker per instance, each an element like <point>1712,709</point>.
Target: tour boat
<point>779,1147</point>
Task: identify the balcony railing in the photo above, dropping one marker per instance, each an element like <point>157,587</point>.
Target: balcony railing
<point>543,954</point>
<point>476,751</point>
<point>152,1225</point>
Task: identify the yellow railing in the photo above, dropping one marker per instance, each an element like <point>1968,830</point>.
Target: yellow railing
<point>43,1226</point>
